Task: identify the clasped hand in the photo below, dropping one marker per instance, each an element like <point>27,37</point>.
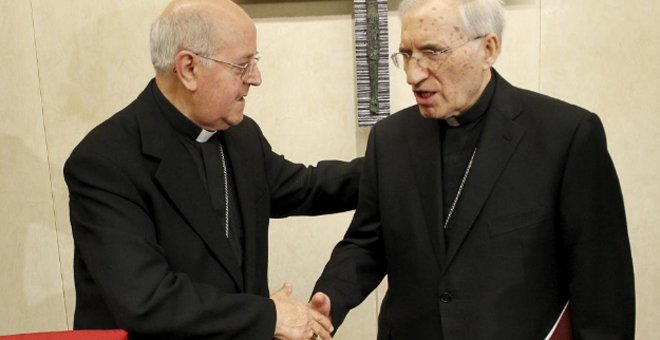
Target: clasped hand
<point>298,321</point>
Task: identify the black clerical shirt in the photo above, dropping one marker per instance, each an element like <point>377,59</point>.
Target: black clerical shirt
<point>204,149</point>
<point>458,139</point>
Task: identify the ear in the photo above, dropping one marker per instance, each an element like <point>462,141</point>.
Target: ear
<point>491,48</point>
<point>186,69</point>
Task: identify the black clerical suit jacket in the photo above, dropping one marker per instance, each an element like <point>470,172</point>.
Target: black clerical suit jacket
<point>151,256</point>
<point>540,221</point>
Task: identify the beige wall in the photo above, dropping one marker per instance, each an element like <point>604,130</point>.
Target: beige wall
<point>67,68</point>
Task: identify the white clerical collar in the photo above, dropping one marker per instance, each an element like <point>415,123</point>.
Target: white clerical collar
<point>453,122</point>
<point>204,136</point>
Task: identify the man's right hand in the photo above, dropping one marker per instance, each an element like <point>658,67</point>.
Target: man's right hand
<point>297,321</point>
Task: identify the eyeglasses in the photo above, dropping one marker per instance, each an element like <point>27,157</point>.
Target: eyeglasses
<point>245,69</point>
<point>427,57</point>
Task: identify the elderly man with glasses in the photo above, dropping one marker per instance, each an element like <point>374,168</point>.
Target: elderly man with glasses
<point>488,207</point>
<point>170,198</point>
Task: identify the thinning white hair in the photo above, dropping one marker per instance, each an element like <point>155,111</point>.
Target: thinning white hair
<point>479,17</point>
<point>183,29</point>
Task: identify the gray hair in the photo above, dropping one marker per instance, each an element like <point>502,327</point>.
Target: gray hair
<point>183,29</point>
<point>479,17</point>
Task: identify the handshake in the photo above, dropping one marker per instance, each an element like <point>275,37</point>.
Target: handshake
<point>299,321</point>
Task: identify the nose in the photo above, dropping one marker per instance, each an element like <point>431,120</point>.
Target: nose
<point>253,77</point>
<point>415,73</point>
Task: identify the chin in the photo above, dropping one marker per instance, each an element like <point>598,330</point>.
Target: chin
<point>427,112</point>
<point>234,120</point>
<point>237,120</point>
<point>434,113</point>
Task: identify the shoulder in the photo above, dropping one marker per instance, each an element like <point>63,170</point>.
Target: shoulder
<point>553,115</point>
<point>115,140</point>
<point>536,110</point>
<point>543,104</point>
<point>402,122</point>
<point>115,131</point>
<point>547,120</point>
<point>405,116</point>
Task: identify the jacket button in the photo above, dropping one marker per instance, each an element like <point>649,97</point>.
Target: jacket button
<point>445,297</point>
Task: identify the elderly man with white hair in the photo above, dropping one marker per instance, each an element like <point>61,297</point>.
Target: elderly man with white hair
<point>170,198</point>
<point>488,207</point>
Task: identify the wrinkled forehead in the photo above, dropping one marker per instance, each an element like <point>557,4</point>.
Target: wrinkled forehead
<point>438,19</point>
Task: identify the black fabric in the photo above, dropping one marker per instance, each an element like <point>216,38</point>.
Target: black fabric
<point>150,254</point>
<point>215,181</point>
<point>541,221</point>
<point>457,145</point>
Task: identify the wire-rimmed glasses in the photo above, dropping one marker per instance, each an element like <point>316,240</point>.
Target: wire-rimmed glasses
<point>427,57</point>
<point>245,69</point>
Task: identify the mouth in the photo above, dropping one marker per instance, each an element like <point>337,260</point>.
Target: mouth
<point>423,97</point>
<point>424,94</point>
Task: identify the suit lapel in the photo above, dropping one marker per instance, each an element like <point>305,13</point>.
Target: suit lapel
<point>424,150</point>
<point>497,144</point>
<point>243,169</point>
<point>179,179</point>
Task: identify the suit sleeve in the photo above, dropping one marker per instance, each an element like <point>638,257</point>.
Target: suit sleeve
<point>295,189</point>
<point>595,239</point>
<point>115,239</point>
<point>357,264</point>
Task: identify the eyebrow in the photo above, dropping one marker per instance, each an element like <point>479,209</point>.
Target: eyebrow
<point>247,57</point>
<point>434,47</point>
<point>427,46</point>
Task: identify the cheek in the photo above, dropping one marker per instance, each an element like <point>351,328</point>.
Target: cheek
<point>468,77</point>
<point>464,62</point>
<point>225,92</point>
<point>450,79</point>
